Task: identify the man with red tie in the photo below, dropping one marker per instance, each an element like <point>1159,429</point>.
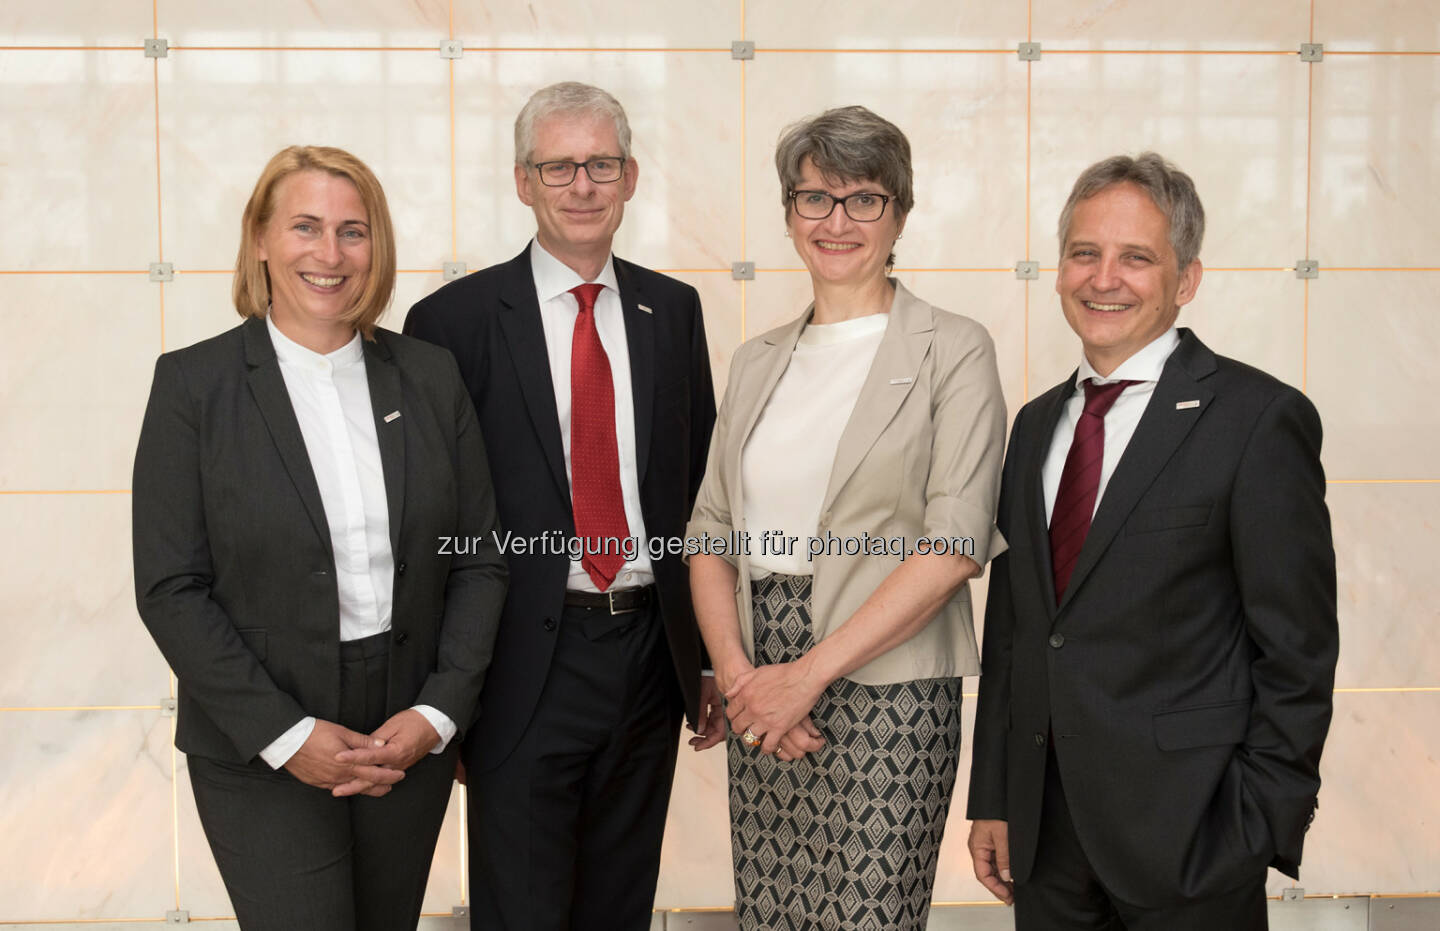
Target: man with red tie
<point>591,380</point>
<point>1160,638</point>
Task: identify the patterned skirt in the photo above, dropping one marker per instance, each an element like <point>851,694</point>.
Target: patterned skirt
<point>847,837</point>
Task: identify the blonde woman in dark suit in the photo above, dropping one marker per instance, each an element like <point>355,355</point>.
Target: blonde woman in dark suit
<point>312,519</point>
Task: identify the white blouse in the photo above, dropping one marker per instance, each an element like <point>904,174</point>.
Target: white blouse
<point>786,464</point>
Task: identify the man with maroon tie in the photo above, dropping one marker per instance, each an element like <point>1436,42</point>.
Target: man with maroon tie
<point>1160,638</point>
<point>591,379</point>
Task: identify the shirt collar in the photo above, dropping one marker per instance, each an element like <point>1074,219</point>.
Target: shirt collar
<point>553,277</point>
<point>292,353</point>
<point>1145,365</point>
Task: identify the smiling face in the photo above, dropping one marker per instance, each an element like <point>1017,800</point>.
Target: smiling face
<point>1119,283</point>
<point>838,250</point>
<point>316,249</point>
<point>576,222</point>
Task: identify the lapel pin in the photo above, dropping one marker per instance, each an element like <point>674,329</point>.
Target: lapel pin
<point>392,416</point>
<point>1187,405</point>
<point>644,308</point>
<point>901,381</point>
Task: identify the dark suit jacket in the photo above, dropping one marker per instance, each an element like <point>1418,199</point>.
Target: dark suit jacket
<point>1187,672</point>
<point>491,321</point>
<point>234,572</point>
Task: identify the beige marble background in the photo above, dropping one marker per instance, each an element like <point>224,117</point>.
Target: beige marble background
<point>110,161</point>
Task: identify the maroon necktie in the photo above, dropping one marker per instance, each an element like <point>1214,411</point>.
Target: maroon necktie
<point>1080,481</point>
<point>595,494</point>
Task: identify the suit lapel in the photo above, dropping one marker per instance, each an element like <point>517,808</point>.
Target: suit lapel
<point>525,337</point>
<point>640,339</point>
<point>267,387</point>
<point>385,399</point>
<point>1051,406</point>
<point>892,375</point>
<point>1161,430</point>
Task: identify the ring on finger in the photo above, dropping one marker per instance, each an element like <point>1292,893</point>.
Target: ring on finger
<point>750,738</point>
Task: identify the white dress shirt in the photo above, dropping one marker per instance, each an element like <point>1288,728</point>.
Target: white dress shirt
<point>330,395</point>
<point>1121,420</point>
<point>787,460</point>
<point>558,312</point>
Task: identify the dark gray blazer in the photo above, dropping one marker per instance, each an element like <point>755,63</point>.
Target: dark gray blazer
<point>234,573</point>
<point>1187,673</point>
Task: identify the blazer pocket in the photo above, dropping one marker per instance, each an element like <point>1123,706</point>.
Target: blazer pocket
<point>254,638</point>
<point>1207,726</point>
<point>1168,519</point>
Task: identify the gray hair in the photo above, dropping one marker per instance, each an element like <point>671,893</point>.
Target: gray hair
<point>566,98</point>
<point>1171,189</point>
<point>849,144</point>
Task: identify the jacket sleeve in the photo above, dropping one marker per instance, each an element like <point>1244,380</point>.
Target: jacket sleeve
<point>174,574</point>
<point>1285,567</point>
<point>988,765</point>
<point>475,586</point>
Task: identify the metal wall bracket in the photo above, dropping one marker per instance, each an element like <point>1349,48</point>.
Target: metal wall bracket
<point>1027,271</point>
<point>1307,268</point>
<point>167,708</point>
<point>452,270</point>
<point>1029,51</point>
<point>1296,894</point>
<point>452,48</point>
<point>1312,51</point>
<point>742,271</point>
<point>742,50</point>
<point>177,916</point>
<point>460,911</point>
<point>162,271</point>
<point>157,48</point>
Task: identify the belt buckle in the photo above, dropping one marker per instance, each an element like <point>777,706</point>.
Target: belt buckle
<point>610,597</point>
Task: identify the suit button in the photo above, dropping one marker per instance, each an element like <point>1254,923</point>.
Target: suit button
<point>1057,640</point>
<point>549,623</point>
<point>1039,740</point>
<point>400,569</point>
<point>401,637</point>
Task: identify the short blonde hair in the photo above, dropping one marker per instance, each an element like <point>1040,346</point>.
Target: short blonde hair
<point>251,290</point>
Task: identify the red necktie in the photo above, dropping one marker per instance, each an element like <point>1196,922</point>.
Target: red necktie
<point>1080,481</point>
<point>595,494</point>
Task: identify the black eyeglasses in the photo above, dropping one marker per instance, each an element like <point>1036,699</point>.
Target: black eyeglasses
<point>862,206</point>
<point>603,170</point>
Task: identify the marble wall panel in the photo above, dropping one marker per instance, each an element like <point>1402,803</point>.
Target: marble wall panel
<point>1373,339</point>
<point>448,883</point>
<point>78,144</point>
<point>72,634</point>
<point>223,114</point>
<point>282,23</point>
<point>684,112</point>
<point>1380,25</point>
<point>1236,124</point>
<point>623,24</point>
<point>86,814</point>
<point>77,22</point>
<point>965,118</point>
<point>908,24</point>
<point>1227,24</point>
<point>1374,173</point>
<point>1375,829</point>
<point>1384,555</point>
<point>76,374</point>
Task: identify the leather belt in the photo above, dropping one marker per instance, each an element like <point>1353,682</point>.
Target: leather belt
<point>615,601</point>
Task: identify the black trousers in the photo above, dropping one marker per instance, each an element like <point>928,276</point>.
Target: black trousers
<point>1064,893</point>
<point>293,856</point>
<point>565,833</point>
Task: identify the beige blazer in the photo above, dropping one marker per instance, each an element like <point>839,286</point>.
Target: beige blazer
<point>919,457</point>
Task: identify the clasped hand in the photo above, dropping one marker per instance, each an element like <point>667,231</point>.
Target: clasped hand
<point>774,702</point>
<point>350,763</point>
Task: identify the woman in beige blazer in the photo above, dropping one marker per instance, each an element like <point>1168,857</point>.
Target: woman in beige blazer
<point>849,497</point>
